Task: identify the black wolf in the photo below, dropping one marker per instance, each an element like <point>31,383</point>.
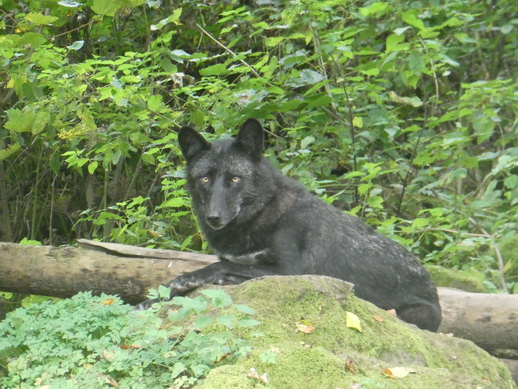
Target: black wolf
<point>261,222</point>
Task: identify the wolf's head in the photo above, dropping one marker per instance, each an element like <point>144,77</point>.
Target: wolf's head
<point>223,176</point>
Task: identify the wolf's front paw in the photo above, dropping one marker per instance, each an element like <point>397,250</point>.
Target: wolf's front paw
<point>145,304</point>
<point>184,284</point>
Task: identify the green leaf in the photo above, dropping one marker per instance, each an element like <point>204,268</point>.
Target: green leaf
<point>228,320</point>
<point>39,19</point>
<point>92,167</point>
<point>219,297</point>
<point>19,121</point>
<point>186,243</point>
<point>393,41</point>
<point>104,7</point>
<point>29,242</point>
<point>31,38</point>
<point>310,77</point>
<point>247,322</point>
<point>155,103</point>
<point>248,310</point>
<point>275,89</point>
<point>273,41</point>
<point>174,18</point>
<point>164,292</point>
<point>304,143</point>
<point>401,30</point>
<point>410,17</point>
<point>376,9</point>
<point>416,63</point>
<point>177,369</point>
<point>214,70</point>
<point>511,182</point>
<point>203,321</point>
<point>6,153</point>
<point>419,223</point>
<point>174,202</point>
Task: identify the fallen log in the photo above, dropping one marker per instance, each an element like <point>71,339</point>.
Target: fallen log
<point>489,320</point>
<point>126,271</point>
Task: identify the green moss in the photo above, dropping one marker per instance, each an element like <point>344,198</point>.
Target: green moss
<point>317,359</point>
<point>459,279</point>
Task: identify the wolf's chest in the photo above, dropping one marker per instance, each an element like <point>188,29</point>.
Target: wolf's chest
<point>254,258</point>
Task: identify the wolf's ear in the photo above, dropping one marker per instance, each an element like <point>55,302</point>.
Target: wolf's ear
<point>191,142</point>
<point>250,139</point>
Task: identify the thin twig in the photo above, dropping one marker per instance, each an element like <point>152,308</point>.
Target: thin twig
<point>498,253</point>
<point>436,81</point>
<point>75,29</point>
<point>414,152</point>
<point>228,50</point>
<point>457,232</point>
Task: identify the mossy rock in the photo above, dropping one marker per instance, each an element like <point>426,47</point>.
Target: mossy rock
<point>333,355</point>
<point>457,279</point>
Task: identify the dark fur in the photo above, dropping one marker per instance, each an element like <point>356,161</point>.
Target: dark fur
<point>260,223</point>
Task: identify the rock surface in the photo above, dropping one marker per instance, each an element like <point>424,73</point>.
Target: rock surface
<point>306,341</point>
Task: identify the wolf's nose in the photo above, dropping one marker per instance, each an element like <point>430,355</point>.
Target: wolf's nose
<point>214,219</point>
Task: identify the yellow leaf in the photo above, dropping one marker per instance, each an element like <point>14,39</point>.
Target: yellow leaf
<point>398,372</point>
<point>353,321</point>
<point>358,122</point>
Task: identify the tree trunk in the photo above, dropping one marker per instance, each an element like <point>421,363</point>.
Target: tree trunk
<point>489,320</point>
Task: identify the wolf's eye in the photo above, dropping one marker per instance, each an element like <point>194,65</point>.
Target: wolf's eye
<point>204,180</point>
<point>235,179</point>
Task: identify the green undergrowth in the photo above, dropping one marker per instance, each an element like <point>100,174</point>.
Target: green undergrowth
<point>99,342</point>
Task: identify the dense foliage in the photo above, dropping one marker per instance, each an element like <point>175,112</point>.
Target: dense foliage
<point>402,112</point>
<point>98,342</point>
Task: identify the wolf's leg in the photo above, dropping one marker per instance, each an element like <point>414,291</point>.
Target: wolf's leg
<point>219,273</point>
<point>425,315</point>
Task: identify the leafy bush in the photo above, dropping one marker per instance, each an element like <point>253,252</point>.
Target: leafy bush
<point>98,342</point>
<point>402,112</point>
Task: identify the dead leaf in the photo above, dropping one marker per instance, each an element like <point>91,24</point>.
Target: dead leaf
<point>108,301</point>
<point>304,326</point>
<point>353,321</point>
<point>222,357</point>
<point>378,318</point>
<point>349,366</point>
<point>391,312</point>
<point>398,372</point>
<point>108,355</point>
<point>111,382</point>
<point>130,346</point>
<point>252,373</point>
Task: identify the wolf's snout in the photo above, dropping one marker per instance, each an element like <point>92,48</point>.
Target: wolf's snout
<point>215,221</point>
